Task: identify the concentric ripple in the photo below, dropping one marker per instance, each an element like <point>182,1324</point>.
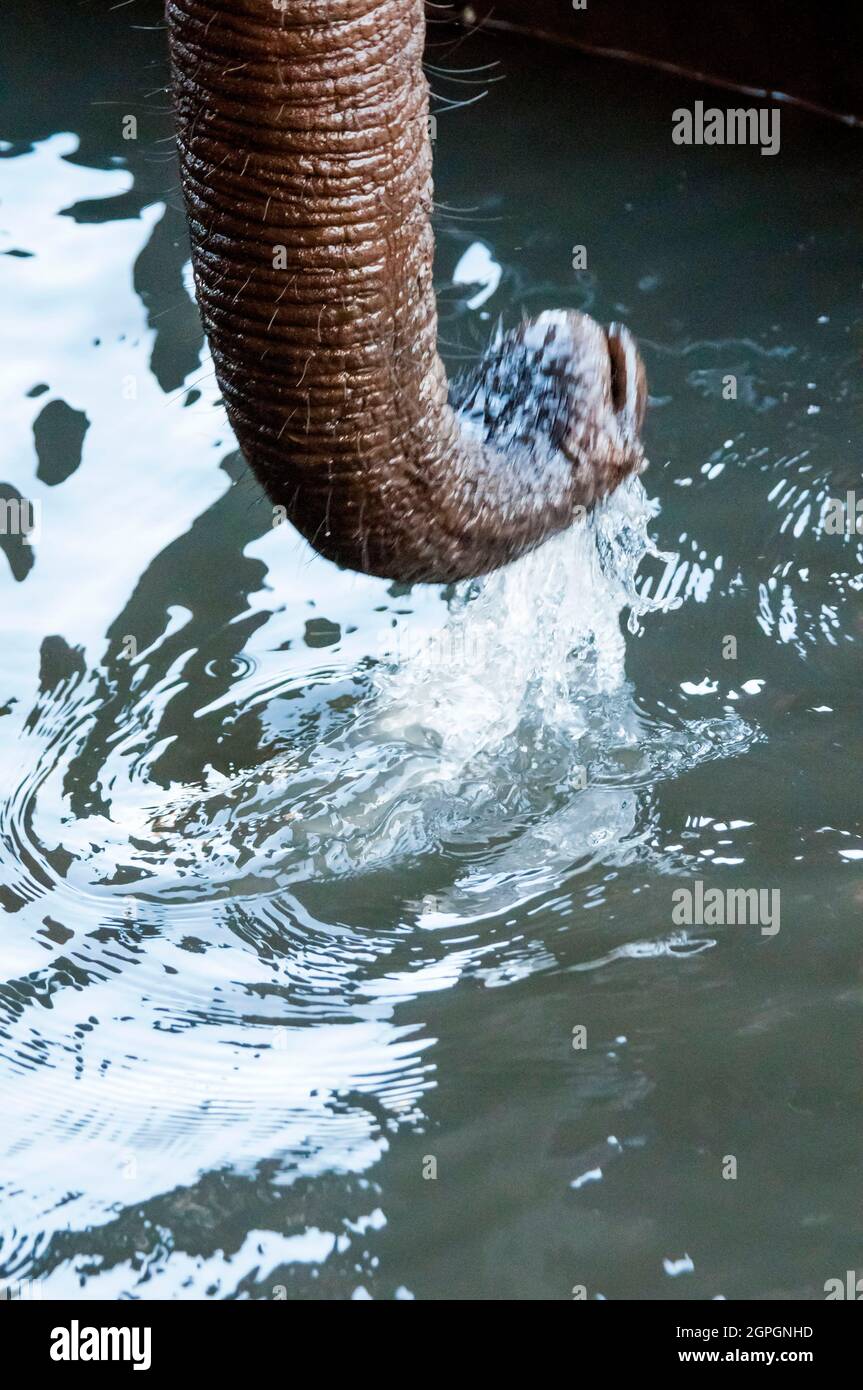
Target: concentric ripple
<point>237,988</point>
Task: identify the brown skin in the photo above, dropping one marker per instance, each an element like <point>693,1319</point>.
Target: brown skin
<point>305,160</point>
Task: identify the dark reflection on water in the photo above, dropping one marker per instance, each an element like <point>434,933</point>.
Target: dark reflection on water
<point>298,908</point>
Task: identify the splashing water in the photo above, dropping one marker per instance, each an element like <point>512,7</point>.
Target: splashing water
<point>525,719</point>
<point>532,642</point>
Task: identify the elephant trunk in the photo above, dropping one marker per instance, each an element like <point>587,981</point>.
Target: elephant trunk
<point>305,160</point>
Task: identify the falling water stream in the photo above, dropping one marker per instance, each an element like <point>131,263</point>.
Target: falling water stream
<point>308,879</point>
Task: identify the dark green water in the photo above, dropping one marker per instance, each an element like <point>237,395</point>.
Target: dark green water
<point>286,930</point>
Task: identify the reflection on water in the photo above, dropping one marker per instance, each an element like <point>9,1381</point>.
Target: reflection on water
<point>308,878</point>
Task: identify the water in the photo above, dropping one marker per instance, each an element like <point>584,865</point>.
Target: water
<point>308,879</point>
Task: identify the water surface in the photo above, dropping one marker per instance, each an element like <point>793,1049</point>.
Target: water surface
<point>307,878</point>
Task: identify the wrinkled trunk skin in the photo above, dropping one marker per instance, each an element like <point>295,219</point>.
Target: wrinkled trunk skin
<point>305,160</point>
